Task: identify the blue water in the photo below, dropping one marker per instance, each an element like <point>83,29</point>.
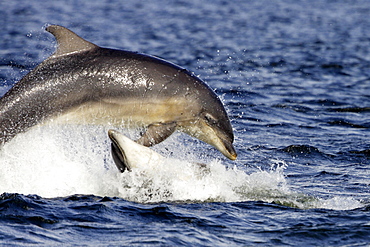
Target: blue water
<point>295,79</point>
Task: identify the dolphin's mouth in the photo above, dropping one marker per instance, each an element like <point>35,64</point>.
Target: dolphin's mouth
<point>229,150</point>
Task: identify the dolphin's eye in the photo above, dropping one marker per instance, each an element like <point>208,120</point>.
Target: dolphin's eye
<point>210,119</point>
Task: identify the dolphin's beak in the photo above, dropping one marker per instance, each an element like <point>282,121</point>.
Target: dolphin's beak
<point>228,150</point>
<point>224,146</point>
<point>214,136</point>
<point>220,136</point>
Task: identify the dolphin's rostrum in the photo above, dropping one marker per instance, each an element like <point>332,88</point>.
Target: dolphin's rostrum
<point>84,83</point>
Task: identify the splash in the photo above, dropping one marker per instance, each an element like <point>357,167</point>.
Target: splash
<point>58,161</point>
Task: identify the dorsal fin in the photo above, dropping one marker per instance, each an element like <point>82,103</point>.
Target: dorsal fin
<point>68,41</point>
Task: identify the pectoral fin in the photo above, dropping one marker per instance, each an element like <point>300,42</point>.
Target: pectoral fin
<point>157,133</point>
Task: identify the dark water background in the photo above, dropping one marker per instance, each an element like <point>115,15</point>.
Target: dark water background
<point>295,78</point>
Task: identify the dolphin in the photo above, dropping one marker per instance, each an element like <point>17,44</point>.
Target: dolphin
<point>82,83</point>
<point>128,155</point>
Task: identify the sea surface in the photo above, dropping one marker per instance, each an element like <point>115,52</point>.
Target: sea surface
<point>295,78</point>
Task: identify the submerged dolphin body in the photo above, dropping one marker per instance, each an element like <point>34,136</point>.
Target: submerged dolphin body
<point>129,155</point>
<point>84,83</point>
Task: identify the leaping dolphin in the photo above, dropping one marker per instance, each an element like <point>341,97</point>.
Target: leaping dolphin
<point>84,83</point>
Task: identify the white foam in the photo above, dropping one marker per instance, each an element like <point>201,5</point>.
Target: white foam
<point>57,161</point>
<point>338,203</point>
